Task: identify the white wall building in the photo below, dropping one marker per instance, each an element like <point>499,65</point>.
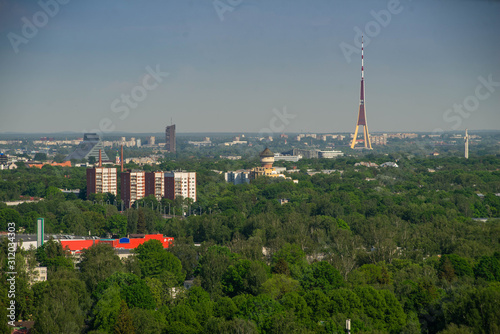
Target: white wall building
<point>180,184</point>
<point>237,177</point>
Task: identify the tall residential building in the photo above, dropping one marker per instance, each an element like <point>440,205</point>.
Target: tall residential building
<point>155,184</point>
<point>170,138</point>
<point>180,184</point>
<point>101,180</point>
<point>133,187</point>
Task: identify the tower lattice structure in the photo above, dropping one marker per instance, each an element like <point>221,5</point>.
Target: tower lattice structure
<point>362,112</point>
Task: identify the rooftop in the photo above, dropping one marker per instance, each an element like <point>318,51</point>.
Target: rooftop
<point>267,153</point>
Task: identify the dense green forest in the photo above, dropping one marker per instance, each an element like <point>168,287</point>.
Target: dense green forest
<point>396,250</point>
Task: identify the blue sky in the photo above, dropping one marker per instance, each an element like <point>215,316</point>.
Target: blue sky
<point>229,75</point>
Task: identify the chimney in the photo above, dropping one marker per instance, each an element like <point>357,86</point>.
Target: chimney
<point>100,159</point>
<point>121,159</point>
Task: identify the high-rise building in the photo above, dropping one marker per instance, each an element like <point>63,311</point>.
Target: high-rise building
<point>155,184</point>
<point>101,180</point>
<point>180,184</point>
<point>151,141</point>
<point>170,138</point>
<point>133,187</point>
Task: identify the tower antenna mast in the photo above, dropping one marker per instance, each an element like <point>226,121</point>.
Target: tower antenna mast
<point>362,113</point>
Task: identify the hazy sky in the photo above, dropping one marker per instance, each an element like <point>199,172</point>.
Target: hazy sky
<point>230,63</point>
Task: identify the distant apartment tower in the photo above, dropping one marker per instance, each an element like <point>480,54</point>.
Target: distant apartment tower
<point>170,138</point>
<point>155,184</point>
<point>180,184</point>
<point>101,180</point>
<point>133,187</point>
<point>151,141</point>
<point>136,185</point>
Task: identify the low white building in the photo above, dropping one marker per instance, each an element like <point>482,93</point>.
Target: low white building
<point>291,158</point>
<point>389,164</point>
<point>330,154</point>
<point>237,177</point>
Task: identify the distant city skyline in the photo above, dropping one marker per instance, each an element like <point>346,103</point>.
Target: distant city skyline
<point>248,66</point>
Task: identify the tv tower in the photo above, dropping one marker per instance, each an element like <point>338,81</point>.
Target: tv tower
<point>466,144</point>
<point>362,113</point>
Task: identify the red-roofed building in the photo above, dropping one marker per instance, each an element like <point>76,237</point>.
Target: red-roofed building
<point>131,243</point>
<point>76,246</point>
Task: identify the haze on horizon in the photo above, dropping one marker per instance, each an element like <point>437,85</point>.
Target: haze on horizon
<point>233,66</point>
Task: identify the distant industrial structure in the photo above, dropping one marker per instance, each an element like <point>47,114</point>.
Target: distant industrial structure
<point>170,138</point>
<point>362,113</point>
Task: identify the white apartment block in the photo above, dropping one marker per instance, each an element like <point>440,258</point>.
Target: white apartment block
<point>180,184</point>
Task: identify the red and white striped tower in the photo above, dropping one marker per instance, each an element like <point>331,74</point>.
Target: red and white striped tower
<point>362,114</point>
